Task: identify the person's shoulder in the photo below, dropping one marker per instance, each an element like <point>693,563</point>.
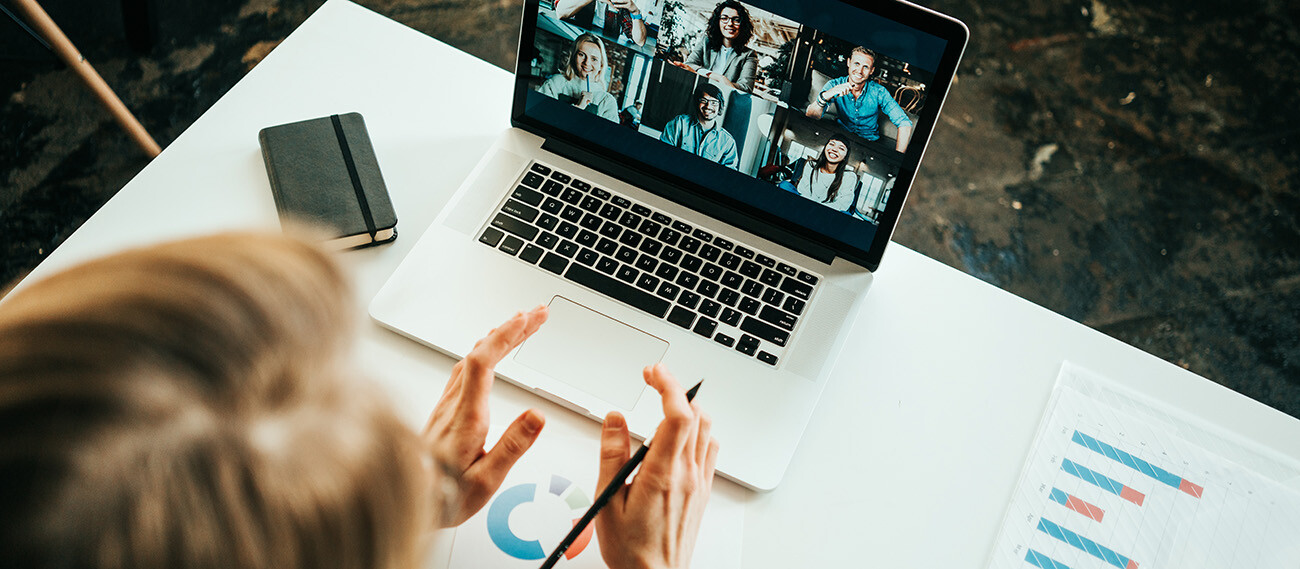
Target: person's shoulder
<point>878,88</point>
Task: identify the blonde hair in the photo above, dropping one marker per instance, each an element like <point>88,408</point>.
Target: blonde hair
<point>186,405</point>
<point>571,68</point>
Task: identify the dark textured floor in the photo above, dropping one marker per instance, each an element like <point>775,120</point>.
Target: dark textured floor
<point>1129,164</point>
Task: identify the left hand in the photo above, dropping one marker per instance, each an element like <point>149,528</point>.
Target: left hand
<point>458,428</point>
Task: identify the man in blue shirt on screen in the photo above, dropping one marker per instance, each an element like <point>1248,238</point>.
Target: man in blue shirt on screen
<point>700,132</point>
<point>858,100</point>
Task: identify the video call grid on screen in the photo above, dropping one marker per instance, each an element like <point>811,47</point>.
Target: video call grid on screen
<point>802,109</point>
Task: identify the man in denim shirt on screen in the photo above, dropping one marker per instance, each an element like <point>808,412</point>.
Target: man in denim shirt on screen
<point>700,132</point>
<point>857,101</point>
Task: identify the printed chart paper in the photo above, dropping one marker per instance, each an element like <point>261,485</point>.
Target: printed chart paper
<point>547,491</point>
<point>1115,482</point>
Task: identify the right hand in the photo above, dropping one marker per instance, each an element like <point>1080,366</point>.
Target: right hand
<point>690,68</point>
<point>836,91</point>
<point>653,522</point>
<point>585,100</point>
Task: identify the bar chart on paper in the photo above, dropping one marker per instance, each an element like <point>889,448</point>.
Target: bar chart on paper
<point>1107,488</point>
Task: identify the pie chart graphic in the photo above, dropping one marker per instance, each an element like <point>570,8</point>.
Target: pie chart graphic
<point>560,500</point>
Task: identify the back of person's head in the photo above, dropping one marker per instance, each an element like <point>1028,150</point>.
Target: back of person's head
<point>189,405</point>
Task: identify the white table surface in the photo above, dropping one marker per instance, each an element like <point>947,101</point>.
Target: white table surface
<point>913,453</point>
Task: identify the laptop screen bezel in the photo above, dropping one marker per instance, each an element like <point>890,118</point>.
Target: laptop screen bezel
<point>759,220</point>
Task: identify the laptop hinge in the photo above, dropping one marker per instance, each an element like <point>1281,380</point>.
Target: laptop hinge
<point>675,189</point>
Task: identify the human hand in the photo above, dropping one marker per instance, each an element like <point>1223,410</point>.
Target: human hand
<point>585,100</point>
<point>683,66</point>
<point>836,91</point>
<point>458,427</point>
<point>653,522</point>
<point>628,5</point>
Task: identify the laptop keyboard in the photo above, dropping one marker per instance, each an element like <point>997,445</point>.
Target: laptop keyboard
<point>724,291</point>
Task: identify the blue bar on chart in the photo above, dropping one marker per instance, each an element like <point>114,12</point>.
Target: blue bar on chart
<point>1086,545</point>
<point>1102,481</point>
<point>1043,562</point>
<point>1160,474</point>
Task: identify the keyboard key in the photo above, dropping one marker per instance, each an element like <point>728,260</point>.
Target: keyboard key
<point>567,230</point>
<point>626,254</point>
<point>600,283</point>
<point>648,282</point>
<point>787,269</point>
<point>587,238</point>
<point>796,288</point>
<point>528,196</point>
<point>708,288</point>
<point>752,288</point>
<point>778,317</point>
<point>688,280</point>
<point>581,185</point>
<point>512,225</point>
<point>691,263</point>
<point>548,222</point>
<point>660,218</point>
<point>670,255</point>
<point>666,272</point>
<point>630,238</point>
<point>567,248</point>
<point>588,257</point>
<point>553,205</point>
<point>689,299</point>
<point>731,317</point>
<point>702,235</point>
<point>749,306</point>
<point>765,331</point>
<point>728,297</point>
<point>607,265</point>
<point>512,244</point>
<point>592,221</point>
<point>611,230</point>
<point>773,297</point>
<point>711,271</point>
<point>766,261</point>
<point>689,244</point>
<point>531,253</point>
<point>668,290</point>
<point>669,236</point>
<point>552,188</point>
<point>705,327</point>
<point>807,278</point>
<point>650,228</point>
<point>681,317</point>
<point>630,220</point>
<point>601,193</point>
<point>724,339</point>
<point>767,358</point>
<point>533,180</point>
<point>540,168</point>
<point>626,274</point>
<point>723,244</point>
<point>590,204</point>
<point>746,348</point>
<point>611,212</point>
<point>647,263</point>
<point>732,280</point>
<point>751,269</point>
<point>560,177</point>
<point>571,196</point>
<point>794,306</point>
<point>518,209</point>
<point>607,247</point>
<point>682,227</point>
<point>491,236</point>
<point>554,263</point>
<point>622,202</point>
<point>744,252</point>
<point>641,210</point>
<point>770,277</point>
<point>729,261</point>
<point>710,308</point>
<point>571,213</point>
<point>710,253</point>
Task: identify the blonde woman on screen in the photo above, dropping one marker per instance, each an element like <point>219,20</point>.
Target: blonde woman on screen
<point>582,82</point>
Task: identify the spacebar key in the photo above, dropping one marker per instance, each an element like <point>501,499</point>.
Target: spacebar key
<point>600,283</point>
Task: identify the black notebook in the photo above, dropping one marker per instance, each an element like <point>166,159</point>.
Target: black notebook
<point>324,172</point>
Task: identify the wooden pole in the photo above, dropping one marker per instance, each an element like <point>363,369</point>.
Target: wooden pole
<point>37,17</point>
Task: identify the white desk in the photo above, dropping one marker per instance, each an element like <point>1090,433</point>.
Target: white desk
<point>923,429</point>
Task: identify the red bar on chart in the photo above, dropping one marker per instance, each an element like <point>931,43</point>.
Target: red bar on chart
<point>1190,488</point>
<point>1133,496</point>
<point>1085,508</point>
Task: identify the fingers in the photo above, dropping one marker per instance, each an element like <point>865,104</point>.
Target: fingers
<point>676,434</point>
<point>476,374</point>
<point>518,438</point>
<point>615,448</point>
<point>703,438</point>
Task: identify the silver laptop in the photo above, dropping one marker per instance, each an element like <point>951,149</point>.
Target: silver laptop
<point>700,183</point>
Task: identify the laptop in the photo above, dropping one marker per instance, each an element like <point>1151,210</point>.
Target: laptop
<point>707,184</point>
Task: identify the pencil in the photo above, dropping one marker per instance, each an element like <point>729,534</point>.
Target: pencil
<point>606,494</point>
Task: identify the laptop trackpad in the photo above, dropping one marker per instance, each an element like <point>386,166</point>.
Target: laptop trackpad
<point>593,352</point>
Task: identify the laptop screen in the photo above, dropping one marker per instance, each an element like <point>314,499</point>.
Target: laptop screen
<point>811,116</point>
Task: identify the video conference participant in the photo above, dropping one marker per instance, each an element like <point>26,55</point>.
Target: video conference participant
<point>858,100</point>
<point>582,81</point>
<point>626,18</point>
<point>827,180</point>
<point>723,54</point>
<point>700,131</point>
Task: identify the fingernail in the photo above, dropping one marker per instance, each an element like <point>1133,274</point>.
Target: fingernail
<point>614,421</point>
<point>533,420</point>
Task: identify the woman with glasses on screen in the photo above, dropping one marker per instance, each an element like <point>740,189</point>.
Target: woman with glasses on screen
<point>582,82</point>
<point>723,54</point>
